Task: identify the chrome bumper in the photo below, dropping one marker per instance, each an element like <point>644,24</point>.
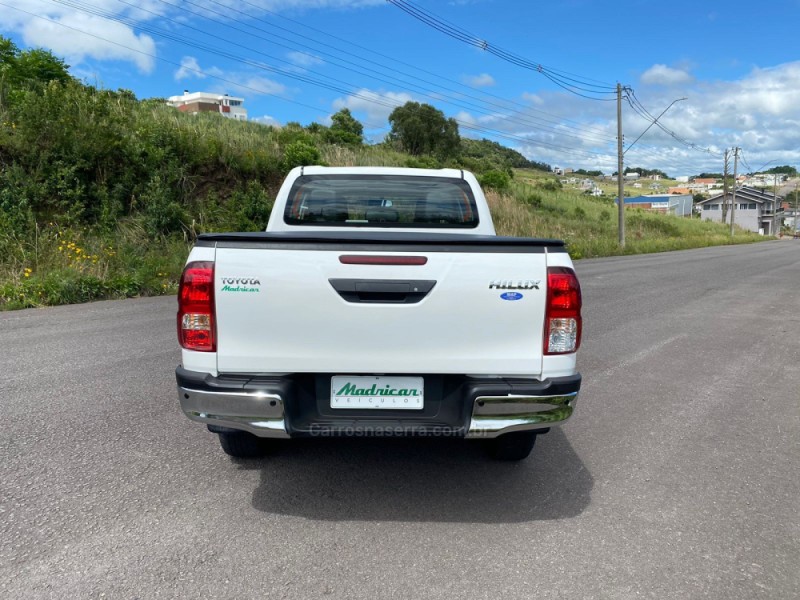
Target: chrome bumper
<point>258,412</point>
<point>493,407</point>
<point>495,415</point>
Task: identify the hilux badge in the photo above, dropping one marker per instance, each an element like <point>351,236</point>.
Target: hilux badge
<point>515,284</point>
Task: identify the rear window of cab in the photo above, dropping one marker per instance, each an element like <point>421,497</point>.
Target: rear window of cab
<point>381,201</point>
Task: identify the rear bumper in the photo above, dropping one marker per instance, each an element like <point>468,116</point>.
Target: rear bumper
<point>296,406</point>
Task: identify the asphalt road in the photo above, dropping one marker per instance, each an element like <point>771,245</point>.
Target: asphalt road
<point>676,478</point>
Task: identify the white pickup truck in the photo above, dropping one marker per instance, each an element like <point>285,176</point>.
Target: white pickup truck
<point>378,302</point>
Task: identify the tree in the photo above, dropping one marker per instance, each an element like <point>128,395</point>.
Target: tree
<point>784,169</point>
<point>345,128</point>
<point>8,51</point>
<point>495,155</point>
<point>30,66</point>
<point>646,172</point>
<point>422,129</point>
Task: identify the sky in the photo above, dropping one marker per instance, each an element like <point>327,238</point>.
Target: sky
<point>539,77</point>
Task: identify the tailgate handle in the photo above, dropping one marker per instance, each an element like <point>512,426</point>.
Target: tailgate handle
<point>382,291</point>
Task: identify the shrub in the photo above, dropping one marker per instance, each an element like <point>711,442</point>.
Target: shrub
<point>298,154</point>
<point>496,180</point>
<point>551,185</point>
<point>247,209</point>
<point>163,215</point>
<point>422,162</point>
<point>533,200</point>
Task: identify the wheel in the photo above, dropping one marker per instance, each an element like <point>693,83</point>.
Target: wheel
<point>241,444</point>
<point>511,446</point>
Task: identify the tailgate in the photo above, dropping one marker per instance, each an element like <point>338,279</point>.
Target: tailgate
<point>288,310</point>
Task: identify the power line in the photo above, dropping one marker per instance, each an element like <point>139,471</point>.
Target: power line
<point>580,87</point>
<point>571,84</point>
<point>439,77</point>
<point>429,93</point>
<point>264,92</point>
<point>177,64</point>
<point>337,85</point>
<point>639,108</point>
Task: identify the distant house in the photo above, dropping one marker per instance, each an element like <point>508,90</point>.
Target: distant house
<point>705,180</point>
<point>199,102</point>
<point>680,205</point>
<point>682,179</point>
<point>754,210</point>
<point>637,185</point>
<point>631,176</point>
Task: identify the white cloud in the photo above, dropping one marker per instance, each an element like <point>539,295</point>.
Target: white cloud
<point>303,59</point>
<point>760,112</point>
<point>482,80</point>
<point>258,85</point>
<point>266,120</point>
<point>244,83</point>
<point>532,98</point>
<point>664,75</point>
<point>189,68</point>
<point>77,35</point>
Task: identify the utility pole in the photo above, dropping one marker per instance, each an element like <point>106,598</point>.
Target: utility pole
<point>620,183</point>
<point>774,204</point>
<point>735,175</point>
<point>725,190</point>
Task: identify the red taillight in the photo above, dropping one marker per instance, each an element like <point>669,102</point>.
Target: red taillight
<point>562,321</point>
<point>196,307</point>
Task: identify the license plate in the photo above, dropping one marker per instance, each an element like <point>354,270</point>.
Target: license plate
<point>403,393</point>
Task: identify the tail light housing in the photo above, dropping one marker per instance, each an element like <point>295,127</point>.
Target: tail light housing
<point>196,327</point>
<point>562,323</point>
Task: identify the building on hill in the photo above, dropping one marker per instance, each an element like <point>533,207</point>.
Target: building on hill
<point>197,102</point>
<point>675,204</point>
<point>754,210</point>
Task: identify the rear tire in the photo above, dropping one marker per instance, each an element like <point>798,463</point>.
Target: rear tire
<point>511,446</point>
<point>241,444</point>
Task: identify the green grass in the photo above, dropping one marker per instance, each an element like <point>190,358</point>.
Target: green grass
<point>589,224</point>
<point>66,266</point>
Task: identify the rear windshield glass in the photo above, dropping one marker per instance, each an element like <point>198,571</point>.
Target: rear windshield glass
<point>381,201</point>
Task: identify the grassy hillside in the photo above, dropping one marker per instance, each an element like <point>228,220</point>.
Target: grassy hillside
<point>536,206</point>
<point>101,195</point>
